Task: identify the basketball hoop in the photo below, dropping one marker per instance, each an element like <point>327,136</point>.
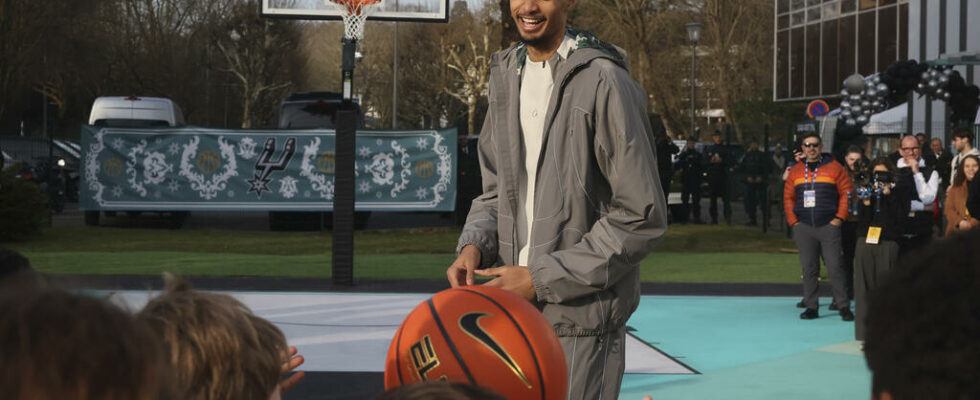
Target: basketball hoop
<point>354,13</point>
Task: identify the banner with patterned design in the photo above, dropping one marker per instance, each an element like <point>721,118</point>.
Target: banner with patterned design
<point>192,168</point>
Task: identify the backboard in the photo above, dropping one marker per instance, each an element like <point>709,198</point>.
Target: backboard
<point>389,10</point>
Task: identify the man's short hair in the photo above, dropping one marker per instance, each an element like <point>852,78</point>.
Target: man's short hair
<point>59,345</point>
<point>440,390</point>
<point>810,135</point>
<point>963,132</point>
<point>917,135</point>
<point>854,149</point>
<point>716,133</point>
<point>217,348</point>
<point>924,324</point>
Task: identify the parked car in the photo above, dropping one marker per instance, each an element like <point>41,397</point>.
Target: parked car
<point>135,112</point>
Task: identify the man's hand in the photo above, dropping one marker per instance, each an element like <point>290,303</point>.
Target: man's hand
<point>964,225</point>
<point>461,271</point>
<point>513,278</point>
<point>913,164</point>
<point>836,221</point>
<point>289,363</point>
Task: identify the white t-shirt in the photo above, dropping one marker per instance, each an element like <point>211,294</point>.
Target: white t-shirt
<point>537,83</point>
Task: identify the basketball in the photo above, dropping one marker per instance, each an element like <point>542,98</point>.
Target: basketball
<point>480,335</point>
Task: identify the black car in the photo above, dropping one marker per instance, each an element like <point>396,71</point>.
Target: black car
<point>312,110</point>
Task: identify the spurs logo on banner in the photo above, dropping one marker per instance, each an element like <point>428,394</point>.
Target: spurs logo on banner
<point>265,165</point>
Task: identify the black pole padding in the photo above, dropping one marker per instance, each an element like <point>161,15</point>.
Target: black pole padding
<point>343,202</point>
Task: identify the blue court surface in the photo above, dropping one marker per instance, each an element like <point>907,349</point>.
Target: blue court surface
<point>679,347</point>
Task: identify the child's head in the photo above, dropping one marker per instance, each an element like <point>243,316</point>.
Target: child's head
<point>59,345</point>
<point>217,348</point>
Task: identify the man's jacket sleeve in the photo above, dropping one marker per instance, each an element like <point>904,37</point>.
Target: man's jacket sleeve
<point>789,199</point>
<point>633,221</point>
<point>480,229</point>
<point>844,187</point>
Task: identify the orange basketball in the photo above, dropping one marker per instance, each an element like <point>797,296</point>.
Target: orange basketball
<point>480,335</point>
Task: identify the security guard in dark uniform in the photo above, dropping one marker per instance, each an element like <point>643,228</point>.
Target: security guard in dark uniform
<point>718,159</point>
<point>755,167</point>
<point>690,164</point>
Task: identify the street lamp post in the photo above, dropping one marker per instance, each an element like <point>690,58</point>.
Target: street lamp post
<point>693,35</point>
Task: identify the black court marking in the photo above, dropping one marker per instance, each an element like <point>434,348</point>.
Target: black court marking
<point>452,346</point>
<point>534,355</point>
<point>630,329</point>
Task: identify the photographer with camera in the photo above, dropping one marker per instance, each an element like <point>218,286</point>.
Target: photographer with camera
<point>925,181</point>
<point>857,170</point>
<point>881,207</point>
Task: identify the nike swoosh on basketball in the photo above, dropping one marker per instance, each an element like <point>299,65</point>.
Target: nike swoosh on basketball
<point>470,323</point>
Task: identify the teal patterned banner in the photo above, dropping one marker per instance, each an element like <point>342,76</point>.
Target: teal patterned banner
<point>194,168</point>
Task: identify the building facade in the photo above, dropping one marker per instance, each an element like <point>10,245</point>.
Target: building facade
<point>819,43</point>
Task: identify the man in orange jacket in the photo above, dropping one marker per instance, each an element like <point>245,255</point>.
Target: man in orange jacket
<point>815,202</point>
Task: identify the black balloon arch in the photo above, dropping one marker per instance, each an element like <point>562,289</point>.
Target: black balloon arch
<point>864,96</point>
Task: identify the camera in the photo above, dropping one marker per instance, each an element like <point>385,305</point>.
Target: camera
<point>871,185</point>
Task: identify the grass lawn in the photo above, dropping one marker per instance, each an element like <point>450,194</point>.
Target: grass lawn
<point>689,253</point>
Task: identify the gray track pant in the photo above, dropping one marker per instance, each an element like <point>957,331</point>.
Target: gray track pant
<point>595,365</point>
<point>814,242</point>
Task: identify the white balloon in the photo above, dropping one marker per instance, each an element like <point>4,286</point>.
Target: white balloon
<point>862,119</point>
<point>882,89</point>
<point>846,113</point>
<point>845,104</point>
<point>946,96</point>
<point>850,122</point>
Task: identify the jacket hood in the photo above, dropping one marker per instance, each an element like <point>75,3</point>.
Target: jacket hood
<point>587,47</point>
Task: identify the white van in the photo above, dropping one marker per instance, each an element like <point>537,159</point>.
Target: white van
<point>135,112</point>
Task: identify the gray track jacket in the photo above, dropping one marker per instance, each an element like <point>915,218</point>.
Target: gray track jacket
<point>599,207</point>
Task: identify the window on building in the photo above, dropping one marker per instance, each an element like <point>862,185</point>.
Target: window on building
<point>796,61</point>
<point>887,36</point>
<point>847,41</point>
<point>829,59</point>
<point>812,58</point>
<point>782,64</point>
<point>867,48</point>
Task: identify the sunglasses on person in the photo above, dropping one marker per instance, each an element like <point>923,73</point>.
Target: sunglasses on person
<point>811,145</point>
<point>910,148</point>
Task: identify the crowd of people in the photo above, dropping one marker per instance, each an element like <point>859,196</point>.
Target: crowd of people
<point>861,216</point>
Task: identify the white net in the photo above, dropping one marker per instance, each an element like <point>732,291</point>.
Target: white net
<point>355,12</point>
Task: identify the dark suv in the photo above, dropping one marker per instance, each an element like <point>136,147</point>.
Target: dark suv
<point>311,110</point>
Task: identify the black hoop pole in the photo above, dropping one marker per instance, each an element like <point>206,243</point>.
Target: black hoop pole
<point>343,203</point>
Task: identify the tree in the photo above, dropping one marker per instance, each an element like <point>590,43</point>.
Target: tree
<point>472,66</point>
<point>738,34</point>
<point>652,34</point>
<point>258,53</point>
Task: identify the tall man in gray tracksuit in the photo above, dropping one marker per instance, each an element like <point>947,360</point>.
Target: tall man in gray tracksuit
<point>571,196</point>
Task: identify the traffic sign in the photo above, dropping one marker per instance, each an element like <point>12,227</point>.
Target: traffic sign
<point>817,108</point>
